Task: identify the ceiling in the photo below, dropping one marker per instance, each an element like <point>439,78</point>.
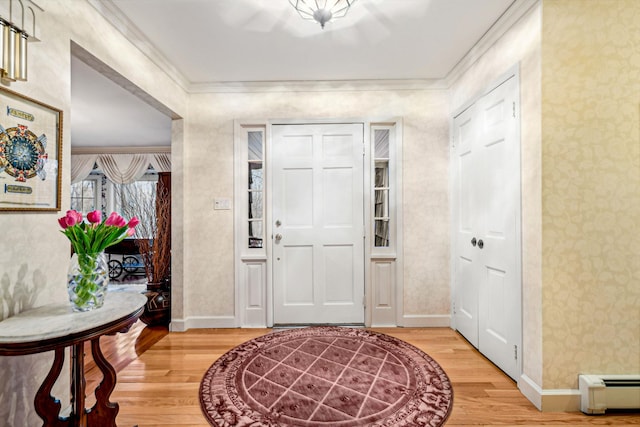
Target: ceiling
<point>201,42</point>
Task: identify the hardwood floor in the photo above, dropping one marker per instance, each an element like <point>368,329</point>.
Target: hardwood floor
<point>159,374</point>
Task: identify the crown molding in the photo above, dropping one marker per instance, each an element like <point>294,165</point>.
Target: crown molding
<point>127,28</point>
<point>122,150</point>
<point>317,86</point>
<point>509,18</point>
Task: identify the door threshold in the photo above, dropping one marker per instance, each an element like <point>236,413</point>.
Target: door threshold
<point>311,325</point>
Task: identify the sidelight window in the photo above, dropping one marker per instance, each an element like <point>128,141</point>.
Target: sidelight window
<point>255,179</point>
<point>381,188</point>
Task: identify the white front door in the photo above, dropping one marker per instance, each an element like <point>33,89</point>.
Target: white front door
<point>318,224</point>
<point>487,208</point>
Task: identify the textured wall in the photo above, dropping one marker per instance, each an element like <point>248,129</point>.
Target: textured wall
<point>520,46</point>
<point>209,234</point>
<point>591,188</point>
<point>35,254</point>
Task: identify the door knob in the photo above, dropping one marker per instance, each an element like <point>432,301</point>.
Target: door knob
<point>480,244</point>
<point>473,242</point>
<point>278,237</point>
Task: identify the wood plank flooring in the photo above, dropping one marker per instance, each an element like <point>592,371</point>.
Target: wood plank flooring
<point>159,374</point>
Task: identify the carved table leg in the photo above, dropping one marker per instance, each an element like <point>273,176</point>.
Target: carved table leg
<point>78,384</point>
<point>104,412</point>
<point>48,407</point>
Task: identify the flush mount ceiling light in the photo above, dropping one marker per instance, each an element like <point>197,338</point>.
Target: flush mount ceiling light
<point>322,11</point>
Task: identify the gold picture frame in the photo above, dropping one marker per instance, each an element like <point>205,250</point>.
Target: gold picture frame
<point>30,154</point>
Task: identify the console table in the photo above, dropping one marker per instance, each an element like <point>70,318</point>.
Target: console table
<point>55,327</point>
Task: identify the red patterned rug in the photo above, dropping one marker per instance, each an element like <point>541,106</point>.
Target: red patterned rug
<point>326,376</point>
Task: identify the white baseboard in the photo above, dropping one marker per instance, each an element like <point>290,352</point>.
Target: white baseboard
<point>202,322</point>
<point>531,391</point>
<point>551,400</point>
<point>426,321</point>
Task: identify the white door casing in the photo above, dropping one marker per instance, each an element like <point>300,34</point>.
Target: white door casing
<point>487,210</point>
<point>317,224</point>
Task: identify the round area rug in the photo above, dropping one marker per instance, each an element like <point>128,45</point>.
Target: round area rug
<point>326,376</point>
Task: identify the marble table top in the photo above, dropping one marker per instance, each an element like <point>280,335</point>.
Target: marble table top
<point>59,320</point>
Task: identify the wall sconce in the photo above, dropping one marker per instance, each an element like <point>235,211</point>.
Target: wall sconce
<point>13,43</point>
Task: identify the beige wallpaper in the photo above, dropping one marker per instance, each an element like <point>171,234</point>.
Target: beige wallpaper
<point>208,267</point>
<point>520,47</point>
<point>35,254</point>
<point>590,189</point>
<point>584,318</point>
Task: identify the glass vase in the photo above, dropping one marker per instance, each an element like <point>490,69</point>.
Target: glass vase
<point>87,281</point>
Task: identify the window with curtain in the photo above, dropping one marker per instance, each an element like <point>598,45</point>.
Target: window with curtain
<point>134,199</point>
<point>138,199</point>
<point>86,194</point>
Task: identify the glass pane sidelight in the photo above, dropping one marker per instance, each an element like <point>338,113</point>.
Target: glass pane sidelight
<point>381,215</point>
<point>255,179</point>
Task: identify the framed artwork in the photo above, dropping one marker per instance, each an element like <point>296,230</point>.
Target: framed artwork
<point>30,154</point>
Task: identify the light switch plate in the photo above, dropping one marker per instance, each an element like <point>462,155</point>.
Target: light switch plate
<point>221,204</point>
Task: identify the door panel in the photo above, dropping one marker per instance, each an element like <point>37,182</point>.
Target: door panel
<point>296,197</point>
<point>338,267</point>
<point>318,248</point>
<point>337,194</point>
<point>297,279</point>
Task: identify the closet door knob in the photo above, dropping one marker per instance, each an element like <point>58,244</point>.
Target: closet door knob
<point>480,244</point>
<point>473,242</point>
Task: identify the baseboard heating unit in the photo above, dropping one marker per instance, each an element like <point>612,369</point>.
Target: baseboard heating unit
<point>602,392</point>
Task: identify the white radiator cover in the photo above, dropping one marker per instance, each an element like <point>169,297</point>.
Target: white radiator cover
<point>602,392</point>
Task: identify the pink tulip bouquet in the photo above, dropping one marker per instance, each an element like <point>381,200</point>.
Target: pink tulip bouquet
<point>96,235</point>
<point>88,272</point>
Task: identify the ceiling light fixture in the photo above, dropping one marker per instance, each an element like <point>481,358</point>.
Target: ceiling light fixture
<point>322,11</point>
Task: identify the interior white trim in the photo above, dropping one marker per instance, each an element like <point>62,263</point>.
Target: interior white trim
<point>244,256</point>
<point>120,22</point>
<point>511,16</point>
<point>121,150</point>
<point>199,322</point>
<point>530,390</point>
<point>317,86</point>
<point>426,320</point>
<point>551,400</point>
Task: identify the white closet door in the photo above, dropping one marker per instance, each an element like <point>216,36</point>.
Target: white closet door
<point>318,248</point>
<point>500,325</point>
<point>487,209</point>
<point>465,211</point>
